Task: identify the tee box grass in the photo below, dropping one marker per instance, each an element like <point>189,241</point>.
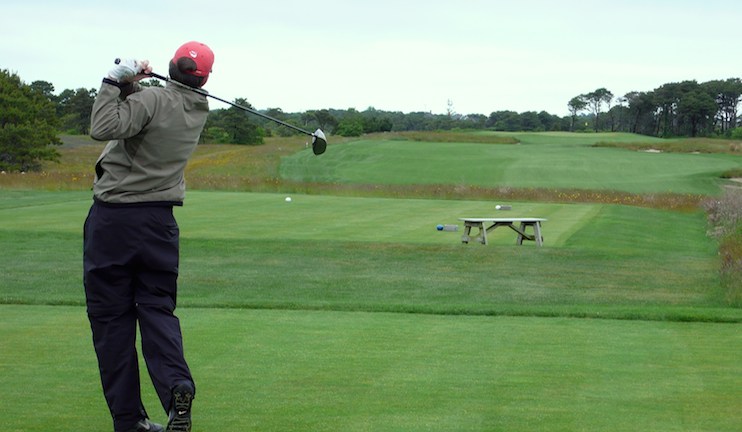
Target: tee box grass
<point>276,370</point>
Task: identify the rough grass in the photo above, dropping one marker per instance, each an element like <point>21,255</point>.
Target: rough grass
<point>725,224</point>
<point>481,137</point>
<point>686,145</point>
<point>734,173</point>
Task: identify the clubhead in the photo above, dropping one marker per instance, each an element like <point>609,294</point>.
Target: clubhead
<point>319,142</point>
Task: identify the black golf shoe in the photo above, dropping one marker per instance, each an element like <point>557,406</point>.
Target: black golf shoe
<point>145,425</point>
<point>180,412</point>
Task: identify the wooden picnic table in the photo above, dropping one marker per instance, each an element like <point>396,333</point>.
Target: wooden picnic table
<point>486,225</point>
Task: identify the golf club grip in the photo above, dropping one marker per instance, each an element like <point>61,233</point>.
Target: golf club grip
<point>158,76</point>
<point>152,74</point>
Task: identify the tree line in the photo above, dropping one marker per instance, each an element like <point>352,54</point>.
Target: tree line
<point>687,108</point>
<point>32,116</point>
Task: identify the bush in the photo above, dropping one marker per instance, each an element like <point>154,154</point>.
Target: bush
<point>725,224</point>
<point>350,128</point>
<point>215,135</point>
<point>724,213</point>
<point>736,133</point>
<point>730,252</point>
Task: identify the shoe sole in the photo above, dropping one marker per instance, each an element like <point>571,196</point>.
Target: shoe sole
<point>181,421</point>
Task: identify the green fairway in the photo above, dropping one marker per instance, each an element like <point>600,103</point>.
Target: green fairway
<point>374,254</point>
<point>539,161</point>
<point>330,371</point>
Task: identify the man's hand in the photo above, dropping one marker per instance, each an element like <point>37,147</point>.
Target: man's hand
<point>129,70</point>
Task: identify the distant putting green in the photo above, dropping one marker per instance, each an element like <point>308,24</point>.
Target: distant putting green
<point>539,161</point>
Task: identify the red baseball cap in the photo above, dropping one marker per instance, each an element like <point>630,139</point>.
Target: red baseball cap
<point>200,54</point>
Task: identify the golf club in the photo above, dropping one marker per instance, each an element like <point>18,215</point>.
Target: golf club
<point>319,141</point>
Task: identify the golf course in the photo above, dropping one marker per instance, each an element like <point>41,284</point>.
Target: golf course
<point>345,309</point>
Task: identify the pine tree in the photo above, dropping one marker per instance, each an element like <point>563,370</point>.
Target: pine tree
<point>28,125</point>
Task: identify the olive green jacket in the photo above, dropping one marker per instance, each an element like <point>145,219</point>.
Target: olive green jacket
<point>152,132</point>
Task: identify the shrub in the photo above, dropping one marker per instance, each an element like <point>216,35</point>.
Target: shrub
<point>730,252</point>
<point>350,128</point>
<point>736,133</point>
<point>725,224</point>
<point>724,213</point>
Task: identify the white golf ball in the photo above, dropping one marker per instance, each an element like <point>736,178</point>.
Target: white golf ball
<point>498,207</point>
<point>288,199</point>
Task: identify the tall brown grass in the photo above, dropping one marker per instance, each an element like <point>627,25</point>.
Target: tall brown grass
<point>448,137</point>
<point>684,145</point>
<point>725,224</point>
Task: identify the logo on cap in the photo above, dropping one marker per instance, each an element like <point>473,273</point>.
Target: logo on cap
<point>193,54</point>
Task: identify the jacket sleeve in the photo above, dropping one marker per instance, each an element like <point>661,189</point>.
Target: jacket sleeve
<point>115,118</point>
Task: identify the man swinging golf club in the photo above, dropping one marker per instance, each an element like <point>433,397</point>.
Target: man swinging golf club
<point>131,239</point>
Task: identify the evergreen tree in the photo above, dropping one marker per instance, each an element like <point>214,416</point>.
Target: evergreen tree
<point>28,125</point>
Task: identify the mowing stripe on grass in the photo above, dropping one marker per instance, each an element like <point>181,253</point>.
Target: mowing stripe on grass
<point>540,161</point>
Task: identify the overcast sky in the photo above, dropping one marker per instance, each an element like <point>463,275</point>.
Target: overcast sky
<point>399,55</point>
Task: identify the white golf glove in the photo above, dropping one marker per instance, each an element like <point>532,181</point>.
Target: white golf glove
<point>127,69</point>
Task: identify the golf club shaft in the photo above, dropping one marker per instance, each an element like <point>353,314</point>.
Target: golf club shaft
<point>244,108</point>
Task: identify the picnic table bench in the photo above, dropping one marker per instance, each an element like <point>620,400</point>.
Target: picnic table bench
<point>486,225</point>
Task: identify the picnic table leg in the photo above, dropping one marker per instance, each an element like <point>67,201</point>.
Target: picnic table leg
<point>537,233</point>
<point>467,231</point>
<point>483,233</point>
<point>519,240</point>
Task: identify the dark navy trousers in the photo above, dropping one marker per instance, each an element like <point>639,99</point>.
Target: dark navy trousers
<point>130,263</point>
